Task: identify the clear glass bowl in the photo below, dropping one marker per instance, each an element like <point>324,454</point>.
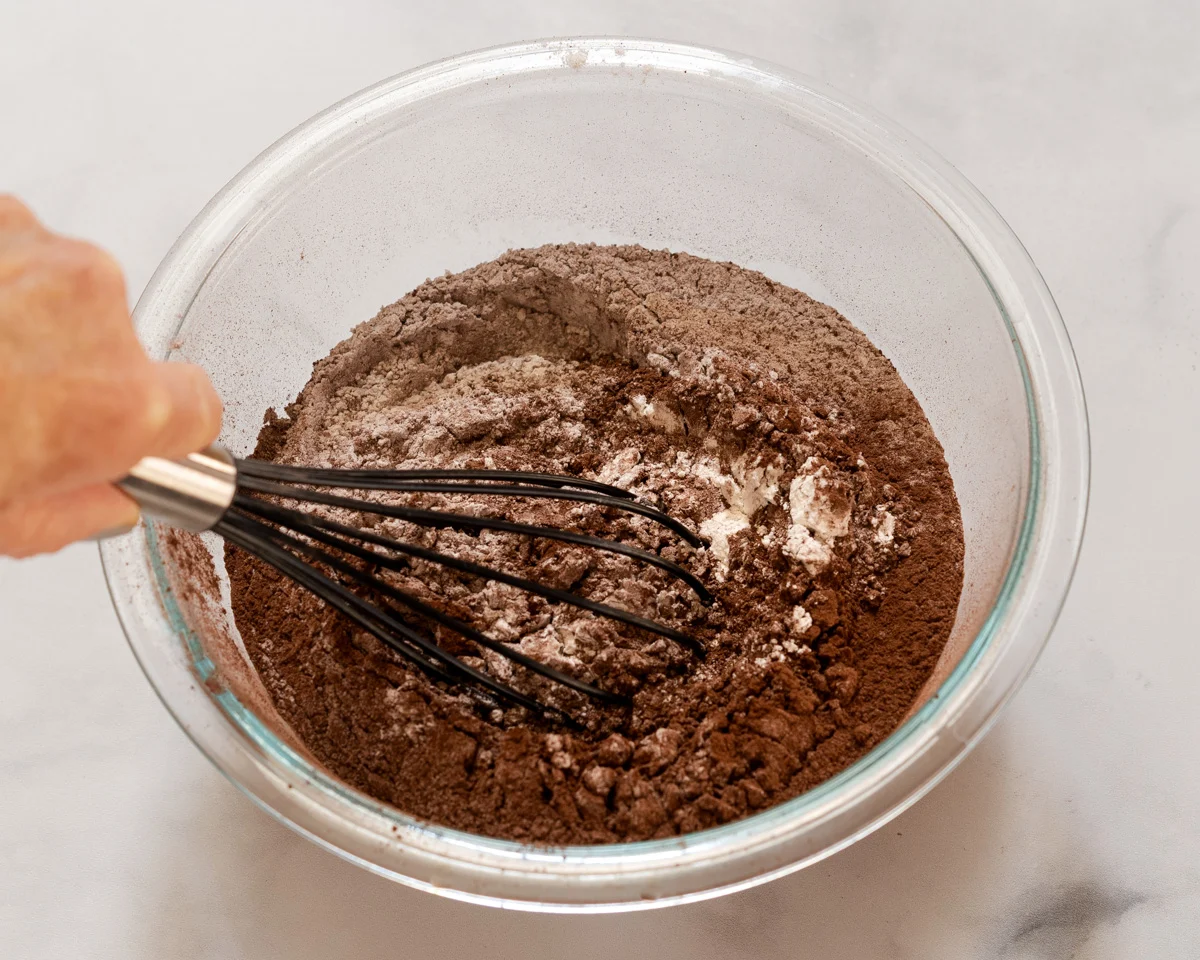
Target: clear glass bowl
<point>668,146</point>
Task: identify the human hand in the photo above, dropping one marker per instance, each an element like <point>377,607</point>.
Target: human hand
<point>80,402</point>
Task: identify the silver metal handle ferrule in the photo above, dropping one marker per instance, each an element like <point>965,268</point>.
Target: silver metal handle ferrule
<point>192,493</point>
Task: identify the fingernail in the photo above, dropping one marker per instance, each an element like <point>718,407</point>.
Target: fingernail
<point>116,531</point>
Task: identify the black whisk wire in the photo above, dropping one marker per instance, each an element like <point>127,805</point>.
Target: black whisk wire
<point>296,518</point>
<point>257,538</point>
<point>416,605</point>
<point>260,540</point>
<point>440,518</point>
<point>287,539</point>
<point>402,479</point>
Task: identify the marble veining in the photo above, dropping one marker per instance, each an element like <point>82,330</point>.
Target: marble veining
<point>1061,920</point>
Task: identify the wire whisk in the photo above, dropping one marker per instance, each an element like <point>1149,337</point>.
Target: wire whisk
<point>237,500</point>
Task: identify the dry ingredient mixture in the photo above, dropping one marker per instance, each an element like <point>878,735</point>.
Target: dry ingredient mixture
<point>760,417</point>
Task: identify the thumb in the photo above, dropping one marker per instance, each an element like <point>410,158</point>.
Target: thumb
<point>186,411</point>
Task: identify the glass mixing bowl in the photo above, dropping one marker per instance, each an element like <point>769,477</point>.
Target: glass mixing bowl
<point>668,146</point>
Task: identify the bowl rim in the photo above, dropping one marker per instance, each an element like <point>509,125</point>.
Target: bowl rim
<point>1045,553</point>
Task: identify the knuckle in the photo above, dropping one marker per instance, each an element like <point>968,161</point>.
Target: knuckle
<point>92,270</point>
<point>150,411</point>
<point>14,214</point>
<point>54,268</point>
<point>129,417</point>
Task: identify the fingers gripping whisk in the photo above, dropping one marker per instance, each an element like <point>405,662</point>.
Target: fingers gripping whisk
<point>240,500</point>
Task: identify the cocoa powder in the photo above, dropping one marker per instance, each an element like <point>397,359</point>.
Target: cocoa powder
<point>756,415</point>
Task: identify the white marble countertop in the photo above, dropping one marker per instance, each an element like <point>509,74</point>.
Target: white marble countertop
<point>1073,831</point>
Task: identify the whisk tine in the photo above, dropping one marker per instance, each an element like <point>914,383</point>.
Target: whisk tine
<point>289,517</point>
<point>376,620</point>
<point>258,539</point>
<point>438,616</point>
<point>361,478</point>
<point>210,490</point>
<point>439,518</point>
<point>500,490</point>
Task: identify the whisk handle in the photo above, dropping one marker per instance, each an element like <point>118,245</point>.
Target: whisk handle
<point>192,493</point>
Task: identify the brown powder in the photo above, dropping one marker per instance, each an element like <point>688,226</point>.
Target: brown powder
<point>759,417</point>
